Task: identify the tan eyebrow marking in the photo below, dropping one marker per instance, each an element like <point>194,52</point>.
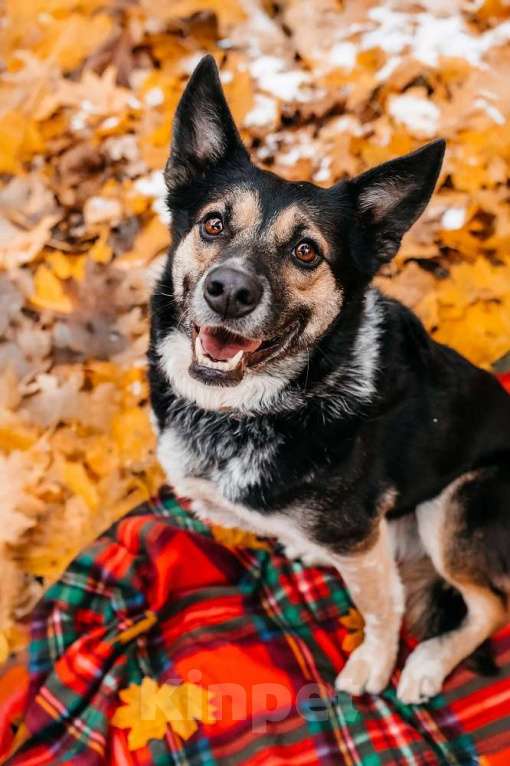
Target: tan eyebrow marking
<point>245,205</point>
<point>218,205</point>
<point>283,224</point>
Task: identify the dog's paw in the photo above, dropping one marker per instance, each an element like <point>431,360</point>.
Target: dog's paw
<point>368,669</point>
<point>423,675</point>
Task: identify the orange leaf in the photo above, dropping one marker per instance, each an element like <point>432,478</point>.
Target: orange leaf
<point>49,292</point>
<point>351,641</point>
<point>237,538</point>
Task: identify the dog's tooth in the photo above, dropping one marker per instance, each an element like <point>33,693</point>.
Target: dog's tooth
<point>226,366</point>
<point>236,359</point>
<point>230,364</point>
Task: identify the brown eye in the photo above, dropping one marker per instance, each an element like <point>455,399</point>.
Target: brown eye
<point>213,225</point>
<point>306,253</point>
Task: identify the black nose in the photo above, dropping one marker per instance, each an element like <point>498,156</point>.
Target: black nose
<point>232,293</point>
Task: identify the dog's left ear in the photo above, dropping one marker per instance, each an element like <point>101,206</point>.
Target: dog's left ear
<point>388,199</point>
<point>204,132</point>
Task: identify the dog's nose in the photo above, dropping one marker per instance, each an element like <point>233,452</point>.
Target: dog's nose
<point>231,292</point>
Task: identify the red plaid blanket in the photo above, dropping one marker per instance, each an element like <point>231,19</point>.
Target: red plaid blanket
<point>167,642</point>
<point>252,641</point>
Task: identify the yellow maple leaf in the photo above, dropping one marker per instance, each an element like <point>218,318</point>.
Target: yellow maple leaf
<point>183,705</point>
<point>149,708</point>
<point>140,714</point>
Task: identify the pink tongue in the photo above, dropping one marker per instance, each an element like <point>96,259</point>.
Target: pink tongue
<point>220,345</point>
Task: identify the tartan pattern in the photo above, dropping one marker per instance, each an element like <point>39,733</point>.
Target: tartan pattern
<point>244,617</point>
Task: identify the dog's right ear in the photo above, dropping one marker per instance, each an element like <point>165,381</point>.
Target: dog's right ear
<point>204,132</point>
<point>388,199</point>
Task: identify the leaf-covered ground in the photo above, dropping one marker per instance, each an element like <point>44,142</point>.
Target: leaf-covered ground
<point>324,89</point>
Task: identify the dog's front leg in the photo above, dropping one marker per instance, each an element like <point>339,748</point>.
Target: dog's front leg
<point>374,585</point>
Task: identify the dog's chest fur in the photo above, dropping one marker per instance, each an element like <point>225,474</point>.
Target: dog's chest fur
<point>221,465</point>
<point>212,458</point>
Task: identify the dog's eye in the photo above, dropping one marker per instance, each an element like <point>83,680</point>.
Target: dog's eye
<point>213,225</point>
<point>306,254</point>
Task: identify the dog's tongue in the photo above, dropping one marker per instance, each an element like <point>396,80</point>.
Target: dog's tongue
<point>221,345</point>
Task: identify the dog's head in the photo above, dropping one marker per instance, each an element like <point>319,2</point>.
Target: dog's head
<point>260,268</point>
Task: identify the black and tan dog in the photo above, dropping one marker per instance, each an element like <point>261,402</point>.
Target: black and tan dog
<point>294,400</point>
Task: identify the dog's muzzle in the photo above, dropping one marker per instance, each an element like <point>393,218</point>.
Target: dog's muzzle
<point>232,293</point>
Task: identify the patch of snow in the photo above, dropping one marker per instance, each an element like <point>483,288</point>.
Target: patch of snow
<point>109,123</point>
<point>347,124</point>
<point>430,37</point>
<point>303,151</point>
<point>122,147</point>
<point>88,107</point>
<point>133,102</point>
<point>323,174</point>
<point>154,97</point>
<point>189,63</point>
<point>99,209</point>
<point>420,116</point>
<point>343,55</point>
<point>78,121</point>
<point>154,186</point>
<point>385,72</point>
<point>273,77</point>
<point>453,218</point>
<point>264,112</point>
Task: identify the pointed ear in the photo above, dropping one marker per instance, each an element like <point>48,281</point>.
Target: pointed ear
<point>204,132</point>
<point>388,199</point>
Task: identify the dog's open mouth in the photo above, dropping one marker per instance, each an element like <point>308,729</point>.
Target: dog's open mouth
<point>221,356</point>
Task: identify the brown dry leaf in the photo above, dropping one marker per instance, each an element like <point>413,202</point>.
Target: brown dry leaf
<point>18,247</point>
<point>152,240</point>
<point>228,12</point>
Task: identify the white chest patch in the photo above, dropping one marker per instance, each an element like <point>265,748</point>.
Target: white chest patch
<point>210,497</point>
